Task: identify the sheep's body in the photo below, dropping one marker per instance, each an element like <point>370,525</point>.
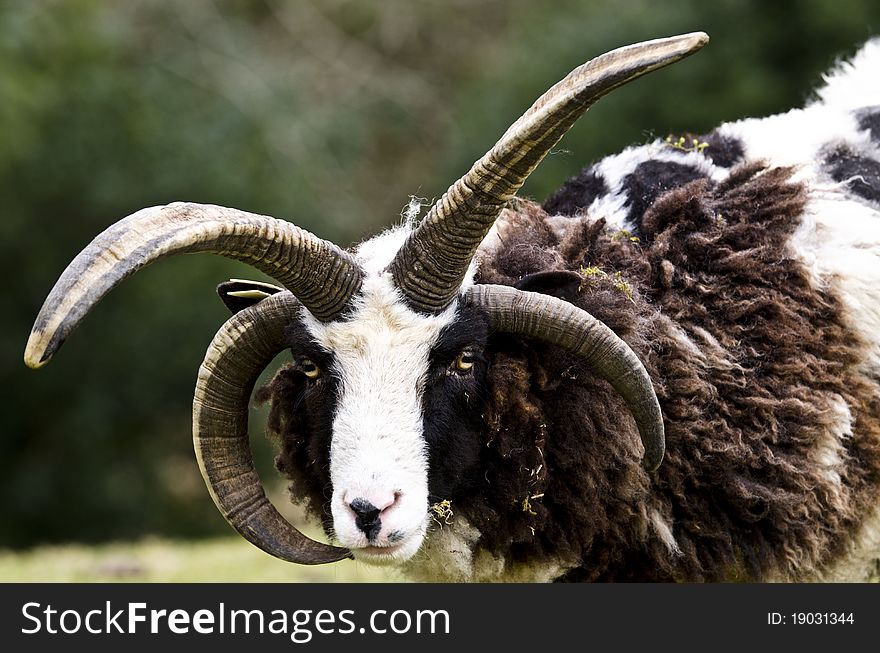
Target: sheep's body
<point>746,275</point>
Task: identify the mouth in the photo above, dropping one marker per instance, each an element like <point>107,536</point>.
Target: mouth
<point>391,553</point>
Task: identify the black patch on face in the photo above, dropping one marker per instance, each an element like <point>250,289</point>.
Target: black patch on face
<point>453,404</point>
<point>394,537</point>
<point>577,193</point>
<point>302,346</point>
<point>651,179</point>
<point>861,173</point>
<point>869,120</point>
<point>724,151</point>
<point>301,417</point>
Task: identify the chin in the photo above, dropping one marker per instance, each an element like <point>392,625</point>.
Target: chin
<point>390,555</point>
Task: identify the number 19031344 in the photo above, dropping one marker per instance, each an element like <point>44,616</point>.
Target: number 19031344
<point>810,618</point>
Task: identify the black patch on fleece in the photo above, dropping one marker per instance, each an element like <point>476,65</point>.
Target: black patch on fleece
<point>861,173</point>
<point>577,193</point>
<point>869,119</point>
<point>724,151</point>
<point>651,179</point>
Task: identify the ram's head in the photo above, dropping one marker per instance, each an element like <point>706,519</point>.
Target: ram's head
<point>387,338</point>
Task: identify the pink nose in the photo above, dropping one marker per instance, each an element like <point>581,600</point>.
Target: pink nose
<point>369,509</point>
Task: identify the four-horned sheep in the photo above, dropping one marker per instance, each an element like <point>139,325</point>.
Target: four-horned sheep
<point>669,370</point>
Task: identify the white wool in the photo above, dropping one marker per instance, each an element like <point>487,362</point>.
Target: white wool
<point>830,453</point>
<point>663,530</point>
<point>801,137</point>
<point>409,214</point>
<point>854,83</point>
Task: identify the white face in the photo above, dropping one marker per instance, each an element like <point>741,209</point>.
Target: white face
<point>378,455</point>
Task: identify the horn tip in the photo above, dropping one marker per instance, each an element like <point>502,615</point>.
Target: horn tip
<point>654,457</point>
<point>36,353</point>
<point>699,39</point>
<point>686,44</point>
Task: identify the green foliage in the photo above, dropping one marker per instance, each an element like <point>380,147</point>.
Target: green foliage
<point>329,114</point>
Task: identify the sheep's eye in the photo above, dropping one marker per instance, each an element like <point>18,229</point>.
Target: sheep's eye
<point>309,368</point>
<point>464,362</point>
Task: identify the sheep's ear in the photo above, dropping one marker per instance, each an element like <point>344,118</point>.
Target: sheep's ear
<point>239,294</point>
<point>563,284</point>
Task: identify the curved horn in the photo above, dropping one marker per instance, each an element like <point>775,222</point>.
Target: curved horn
<point>320,274</point>
<point>560,323</point>
<point>431,265</point>
<point>245,344</point>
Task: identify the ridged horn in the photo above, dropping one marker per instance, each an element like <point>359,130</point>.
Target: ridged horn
<point>560,323</point>
<point>320,274</point>
<point>431,265</point>
<point>242,348</point>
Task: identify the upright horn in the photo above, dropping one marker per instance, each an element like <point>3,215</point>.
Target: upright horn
<point>432,263</point>
<point>322,276</point>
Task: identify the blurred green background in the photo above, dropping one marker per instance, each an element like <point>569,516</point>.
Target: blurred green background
<point>330,114</point>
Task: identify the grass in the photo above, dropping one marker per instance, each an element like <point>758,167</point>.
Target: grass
<point>225,559</point>
<point>228,558</point>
